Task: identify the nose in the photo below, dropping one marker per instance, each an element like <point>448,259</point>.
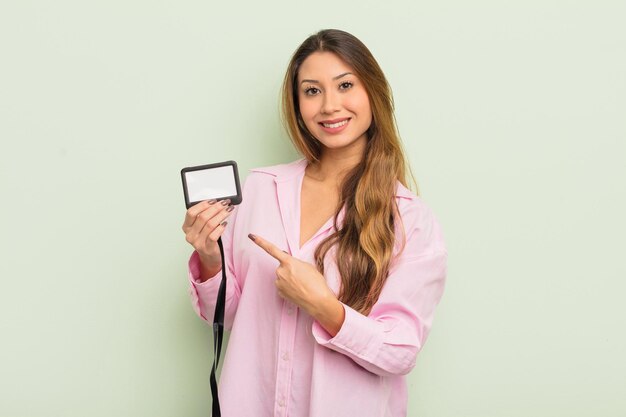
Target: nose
<point>331,103</point>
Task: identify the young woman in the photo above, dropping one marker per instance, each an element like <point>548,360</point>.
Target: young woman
<point>335,268</point>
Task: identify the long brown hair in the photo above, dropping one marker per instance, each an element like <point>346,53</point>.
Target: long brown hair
<point>365,242</point>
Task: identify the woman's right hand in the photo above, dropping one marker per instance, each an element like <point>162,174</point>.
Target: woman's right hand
<point>204,224</point>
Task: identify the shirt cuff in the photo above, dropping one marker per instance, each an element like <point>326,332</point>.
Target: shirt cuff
<point>194,271</point>
<point>357,336</point>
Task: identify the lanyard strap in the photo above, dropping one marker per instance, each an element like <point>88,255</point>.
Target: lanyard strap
<point>218,333</point>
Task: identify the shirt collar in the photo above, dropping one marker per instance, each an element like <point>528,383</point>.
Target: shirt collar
<point>286,172</point>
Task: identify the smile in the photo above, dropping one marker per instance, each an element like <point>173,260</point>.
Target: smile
<point>335,125</point>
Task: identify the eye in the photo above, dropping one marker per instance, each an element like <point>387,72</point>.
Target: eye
<point>311,91</point>
<point>345,85</point>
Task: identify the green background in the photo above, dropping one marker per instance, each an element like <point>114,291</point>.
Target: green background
<point>513,117</point>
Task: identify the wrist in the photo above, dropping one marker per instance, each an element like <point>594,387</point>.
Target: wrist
<point>330,314</point>
<point>209,266</point>
<point>210,260</point>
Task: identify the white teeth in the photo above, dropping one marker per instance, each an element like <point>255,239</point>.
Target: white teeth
<point>335,125</point>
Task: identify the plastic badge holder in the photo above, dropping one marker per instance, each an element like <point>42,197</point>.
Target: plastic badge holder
<point>213,181</point>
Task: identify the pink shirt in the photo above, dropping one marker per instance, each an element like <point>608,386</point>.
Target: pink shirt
<point>279,361</point>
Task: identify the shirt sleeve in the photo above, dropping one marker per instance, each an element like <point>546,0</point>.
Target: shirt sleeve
<point>204,294</point>
<point>387,341</point>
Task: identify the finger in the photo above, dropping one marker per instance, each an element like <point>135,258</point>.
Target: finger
<point>210,231</point>
<point>208,220</point>
<point>270,248</point>
<point>210,228</point>
<point>206,215</point>
<point>195,210</point>
<point>218,230</point>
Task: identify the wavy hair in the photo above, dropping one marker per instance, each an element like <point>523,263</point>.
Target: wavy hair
<point>365,242</point>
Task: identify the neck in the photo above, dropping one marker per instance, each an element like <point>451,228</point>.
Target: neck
<point>334,164</point>
<point>332,168</point>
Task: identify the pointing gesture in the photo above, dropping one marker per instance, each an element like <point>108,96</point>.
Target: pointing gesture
<point>302,284</point>
<point>270,248</point>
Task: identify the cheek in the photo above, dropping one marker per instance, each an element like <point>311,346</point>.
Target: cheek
<point>306,105</point>
<point>308,111</point>
<point>359,103</point>
<point>307,108</point>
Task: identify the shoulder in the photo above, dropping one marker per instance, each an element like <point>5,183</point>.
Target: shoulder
<point>269,175</point>
<point>280,171</point>
<point>421,226</point>
<point>412,207</point>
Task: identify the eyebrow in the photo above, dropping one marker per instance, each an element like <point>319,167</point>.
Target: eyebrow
<point>334,78</point>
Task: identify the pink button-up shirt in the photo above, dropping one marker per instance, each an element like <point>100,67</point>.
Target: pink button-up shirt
<point>279,361</point>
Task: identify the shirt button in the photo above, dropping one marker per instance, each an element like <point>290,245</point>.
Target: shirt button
<point>290,310</point>
<point>285,356</point>
<point>281,402</point>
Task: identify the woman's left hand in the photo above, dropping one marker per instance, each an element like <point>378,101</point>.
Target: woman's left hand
<point>298,281</point>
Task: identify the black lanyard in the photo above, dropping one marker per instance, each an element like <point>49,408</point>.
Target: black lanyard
<point>218,332</point>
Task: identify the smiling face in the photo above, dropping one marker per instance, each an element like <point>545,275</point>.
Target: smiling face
<point>334,104</point>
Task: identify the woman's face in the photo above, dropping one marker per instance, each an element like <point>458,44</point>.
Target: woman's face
<point>333,102</point>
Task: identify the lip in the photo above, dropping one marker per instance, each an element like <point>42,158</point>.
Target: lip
<point>334,129</point>
<point>334,120</point>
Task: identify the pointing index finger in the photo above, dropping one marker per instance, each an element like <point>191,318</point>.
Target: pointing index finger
<point>270,248</point>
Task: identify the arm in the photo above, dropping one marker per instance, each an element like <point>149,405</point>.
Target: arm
<point>387,341</point>
<point>203,290</point>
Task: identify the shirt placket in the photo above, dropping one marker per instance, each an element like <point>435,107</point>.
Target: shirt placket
<point>286,343</point>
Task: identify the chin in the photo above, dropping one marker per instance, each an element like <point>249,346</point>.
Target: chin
<point>336,143</point>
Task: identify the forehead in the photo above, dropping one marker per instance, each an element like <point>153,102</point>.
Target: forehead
<point>323,65</point>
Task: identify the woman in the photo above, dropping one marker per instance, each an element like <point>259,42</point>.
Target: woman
<point>335,267</point>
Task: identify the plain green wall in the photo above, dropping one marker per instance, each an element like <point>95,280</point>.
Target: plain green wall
<point>513,116</point>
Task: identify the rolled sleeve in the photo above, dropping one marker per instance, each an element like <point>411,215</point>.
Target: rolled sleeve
<point>202,293</point>
<point>358,337</point>
<point>388,340</point>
